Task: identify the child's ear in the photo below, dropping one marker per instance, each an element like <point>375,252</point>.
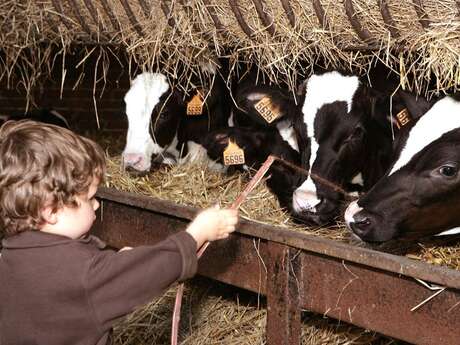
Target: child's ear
<point>49,215</point>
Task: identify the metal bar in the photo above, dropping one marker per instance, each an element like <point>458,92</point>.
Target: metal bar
<point>264,17</point>
<point>131,17</point>
<point>283,315</point>
<point>109,12</point>
<point>371,258</point>
<point>58,8</point>
<point>421,14</point>
<point>379,300</point>
<point>217,23</point>
<point>93,13</point>
<point>362,32</point>
<point>289,12</point>
<point>195,26</point>
<point>388,19</point>
<point>145,8</point>
<point>168,16</point>
<point>76,12</point>
<point>239,17</point>
<point>320,14</point>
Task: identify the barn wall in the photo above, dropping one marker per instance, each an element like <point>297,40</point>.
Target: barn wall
<point>77,103</point>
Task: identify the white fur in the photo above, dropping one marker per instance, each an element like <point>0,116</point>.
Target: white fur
<point>209,67</point>
<point>197,154</point>
<point>256,96</point>
<point>144,94</point>
<point>231,121</point>
<point>286,131</point>
<point>449,232</point>
<point>350,212</point>
<point>443,117</point>
<point>358,179</point>
<point>320,90</point>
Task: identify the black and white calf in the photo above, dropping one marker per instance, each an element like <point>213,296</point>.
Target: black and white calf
<point>41,115</point>
<point>420,195</point>
<point>259,139</point>
<point>345,136</point>
<point>158,124</point>
<point>258,144</point>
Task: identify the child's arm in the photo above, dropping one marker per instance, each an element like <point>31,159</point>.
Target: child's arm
<point>117,282</point>
<point>212,224</point>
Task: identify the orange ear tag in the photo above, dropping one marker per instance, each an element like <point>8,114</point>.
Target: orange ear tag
<point>233,154</point>
<point>402,118</point>
<point>195,105</point>
<point>268,111</point>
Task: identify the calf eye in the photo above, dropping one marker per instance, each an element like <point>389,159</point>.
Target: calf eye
<point>448,170</point>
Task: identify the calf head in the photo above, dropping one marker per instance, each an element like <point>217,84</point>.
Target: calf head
<point>420,195</point>
<point>252,100</point>
<point>158,124</point>
<point>258,144</point>
<point>148,92</point>
<point>346,139</point>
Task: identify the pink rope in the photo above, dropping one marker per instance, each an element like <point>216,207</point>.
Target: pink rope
<point>236,204</point>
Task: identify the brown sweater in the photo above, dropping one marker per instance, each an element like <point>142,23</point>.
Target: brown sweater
<point>58,291</point>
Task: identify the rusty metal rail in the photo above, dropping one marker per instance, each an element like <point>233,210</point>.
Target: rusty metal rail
<point>296,272</point>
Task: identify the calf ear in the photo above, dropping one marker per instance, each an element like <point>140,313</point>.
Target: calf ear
<point>276,102</point>
<point>416,105</point>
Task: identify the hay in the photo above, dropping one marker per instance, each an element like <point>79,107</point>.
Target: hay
<point>419,40</point>
<point>213,314</point>
<point>196,185</point>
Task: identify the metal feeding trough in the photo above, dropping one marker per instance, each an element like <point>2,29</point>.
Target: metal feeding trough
<point>393,295</point>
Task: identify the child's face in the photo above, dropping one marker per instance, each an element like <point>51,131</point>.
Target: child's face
<point>74,222</point>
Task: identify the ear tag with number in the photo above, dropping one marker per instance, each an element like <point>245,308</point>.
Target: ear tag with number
<point>268,111</point>
<point>402,118</point>
<point>233,154</point>
<point>195,105</point>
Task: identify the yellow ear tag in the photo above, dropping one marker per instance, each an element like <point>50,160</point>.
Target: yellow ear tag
<point>195,105</point>
<point>233,154</point>
<point>402,118</point>
<point>268,111</point>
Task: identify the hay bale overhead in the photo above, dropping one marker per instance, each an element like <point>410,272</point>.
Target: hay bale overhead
<point>419,39</point>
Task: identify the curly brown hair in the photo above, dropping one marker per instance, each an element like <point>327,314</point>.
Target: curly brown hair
<point>42,165</point>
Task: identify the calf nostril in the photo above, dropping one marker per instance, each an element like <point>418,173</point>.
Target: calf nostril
<point>362,221</point>
<point>361,224</point>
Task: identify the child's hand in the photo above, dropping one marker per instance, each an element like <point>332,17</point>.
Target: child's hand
<point>213,224</point>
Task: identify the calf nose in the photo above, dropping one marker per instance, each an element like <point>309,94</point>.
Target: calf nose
<point>361,225</point>
<point>305,200</point>
<point>136,161</point>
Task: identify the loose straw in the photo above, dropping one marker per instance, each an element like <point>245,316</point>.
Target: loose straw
<point>180,291</point>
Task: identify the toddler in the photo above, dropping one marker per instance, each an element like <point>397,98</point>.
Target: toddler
<point>58,283</point>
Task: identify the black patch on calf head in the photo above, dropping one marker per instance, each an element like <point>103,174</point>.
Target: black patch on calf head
<point>420,199</point>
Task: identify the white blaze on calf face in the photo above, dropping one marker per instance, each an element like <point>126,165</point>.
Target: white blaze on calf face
<point>286,131</point>
<point>320,90</point>
<point>144,94</point>
<point>443,117</point>
<point>350,212</point>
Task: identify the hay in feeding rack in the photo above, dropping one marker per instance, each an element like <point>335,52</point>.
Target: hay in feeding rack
<point>213,314</point>
<point>196,185</point>
<point>419,40</point>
